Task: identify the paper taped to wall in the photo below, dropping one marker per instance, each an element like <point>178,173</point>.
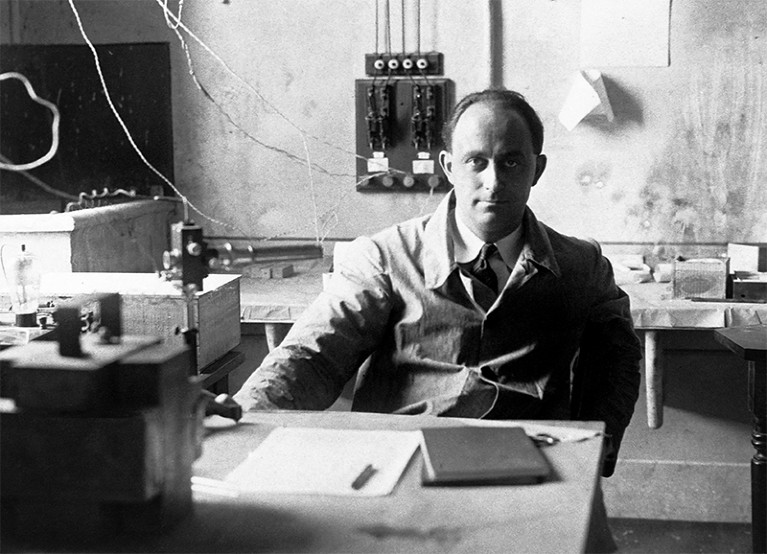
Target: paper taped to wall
<point>588,96</point>
<point>629,33</point>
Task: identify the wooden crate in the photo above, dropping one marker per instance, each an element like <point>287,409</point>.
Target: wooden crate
<point>151,306</point>
<point>701,278</point>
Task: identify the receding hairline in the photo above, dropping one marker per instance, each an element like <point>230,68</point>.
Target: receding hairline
<point>508,100</point>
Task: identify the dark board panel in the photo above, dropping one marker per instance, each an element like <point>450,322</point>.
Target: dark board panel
<point>94,151</point>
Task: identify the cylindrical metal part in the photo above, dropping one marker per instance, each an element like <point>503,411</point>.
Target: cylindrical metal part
<point>231,256</point>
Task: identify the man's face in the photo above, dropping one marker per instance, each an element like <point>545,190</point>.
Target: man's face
<point>492,167</point>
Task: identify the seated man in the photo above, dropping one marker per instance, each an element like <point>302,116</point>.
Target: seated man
<point>477,310</point>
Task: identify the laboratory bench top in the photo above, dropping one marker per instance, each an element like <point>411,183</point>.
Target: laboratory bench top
<point>553,516</point>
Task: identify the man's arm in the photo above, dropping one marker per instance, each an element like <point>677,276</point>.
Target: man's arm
<point>329,342</point>
<point>607,377</point>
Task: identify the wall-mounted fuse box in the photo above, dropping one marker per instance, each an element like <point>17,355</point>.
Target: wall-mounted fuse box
<point>399,119</point>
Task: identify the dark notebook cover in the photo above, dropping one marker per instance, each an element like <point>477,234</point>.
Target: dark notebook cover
<point>481,456</point>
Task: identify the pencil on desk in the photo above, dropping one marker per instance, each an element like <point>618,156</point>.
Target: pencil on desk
<point>363,477</point>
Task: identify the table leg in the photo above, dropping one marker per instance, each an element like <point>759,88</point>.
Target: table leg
<point>275,332</point>
<point>757,400</point>
<point>653,361</point>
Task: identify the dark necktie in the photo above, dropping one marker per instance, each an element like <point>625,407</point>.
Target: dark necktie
<point>481,269</point>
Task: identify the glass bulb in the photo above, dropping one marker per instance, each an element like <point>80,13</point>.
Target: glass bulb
<point>24,285</point>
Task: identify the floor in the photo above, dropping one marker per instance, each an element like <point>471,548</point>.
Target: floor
<point>655,536</point>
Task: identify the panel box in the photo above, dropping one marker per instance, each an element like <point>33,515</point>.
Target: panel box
<point>399,133</point>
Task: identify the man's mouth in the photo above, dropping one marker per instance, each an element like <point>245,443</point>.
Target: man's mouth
<point>492,201</point>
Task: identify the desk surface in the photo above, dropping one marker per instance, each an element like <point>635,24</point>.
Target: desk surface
<point>549,517</point>
<point>652,305</point>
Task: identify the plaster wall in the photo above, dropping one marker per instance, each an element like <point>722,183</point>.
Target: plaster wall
<point>682,162</point>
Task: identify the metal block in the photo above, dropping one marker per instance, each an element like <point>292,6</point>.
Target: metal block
<point>38,378</point>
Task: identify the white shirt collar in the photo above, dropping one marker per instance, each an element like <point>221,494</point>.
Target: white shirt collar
<point>466,245</point>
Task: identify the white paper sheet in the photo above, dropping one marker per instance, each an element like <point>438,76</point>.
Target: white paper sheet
<point>326,461</point>
<point>625,33</point>
<point>587,96</point>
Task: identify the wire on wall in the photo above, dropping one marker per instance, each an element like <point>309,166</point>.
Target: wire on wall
<point>304,134</point>
<point>324,222</point>
<point>187,203</point>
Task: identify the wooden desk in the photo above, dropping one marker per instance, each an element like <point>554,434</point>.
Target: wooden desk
<point>750,343</point>
<point>550,517</point>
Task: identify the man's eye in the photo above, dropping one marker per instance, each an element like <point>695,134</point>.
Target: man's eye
<point>475,162</point>
<point>512,163</point>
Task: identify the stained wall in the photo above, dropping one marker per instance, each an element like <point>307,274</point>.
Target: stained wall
<point>684,160</point>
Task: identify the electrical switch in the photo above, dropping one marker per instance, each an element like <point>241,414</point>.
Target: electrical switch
<point>400,112</point>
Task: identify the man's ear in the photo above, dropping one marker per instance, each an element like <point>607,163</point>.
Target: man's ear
<point>446,162</point>
<point>540,165</point>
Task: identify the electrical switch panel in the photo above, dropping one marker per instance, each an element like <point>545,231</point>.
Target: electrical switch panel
<point>399,118</point>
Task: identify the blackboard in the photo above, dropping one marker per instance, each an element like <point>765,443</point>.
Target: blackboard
<point>94,152</point>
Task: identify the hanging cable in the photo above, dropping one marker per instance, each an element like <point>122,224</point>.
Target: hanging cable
<point>54,125</point>
<point>304,134</point>
<point>404,50</point>
<point>377,30</point>
<point>186,202</point>
<point>108,97</point>
<point>37,182</point>
<point>166,11</point>
<point>387,30</point>
<point>223,112</point>
<point>418,27</point>
<point>255,91</point>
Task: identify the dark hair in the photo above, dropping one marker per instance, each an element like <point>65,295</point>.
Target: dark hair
<point>508,99</point>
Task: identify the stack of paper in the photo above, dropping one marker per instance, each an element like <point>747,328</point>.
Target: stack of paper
<point>327,461</point>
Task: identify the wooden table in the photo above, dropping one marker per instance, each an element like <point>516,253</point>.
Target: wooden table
<point>656,313</point>
<point>277,303</point>
<point>750,343</point>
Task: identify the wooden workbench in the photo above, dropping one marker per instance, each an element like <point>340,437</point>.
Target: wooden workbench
<point>554,516</point>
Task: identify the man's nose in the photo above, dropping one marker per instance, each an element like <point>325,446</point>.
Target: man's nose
<point>490,178</point>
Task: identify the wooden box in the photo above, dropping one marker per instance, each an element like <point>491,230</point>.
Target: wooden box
<point>701,278</point>
<point>750,286</point>
<point>152,306</point>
